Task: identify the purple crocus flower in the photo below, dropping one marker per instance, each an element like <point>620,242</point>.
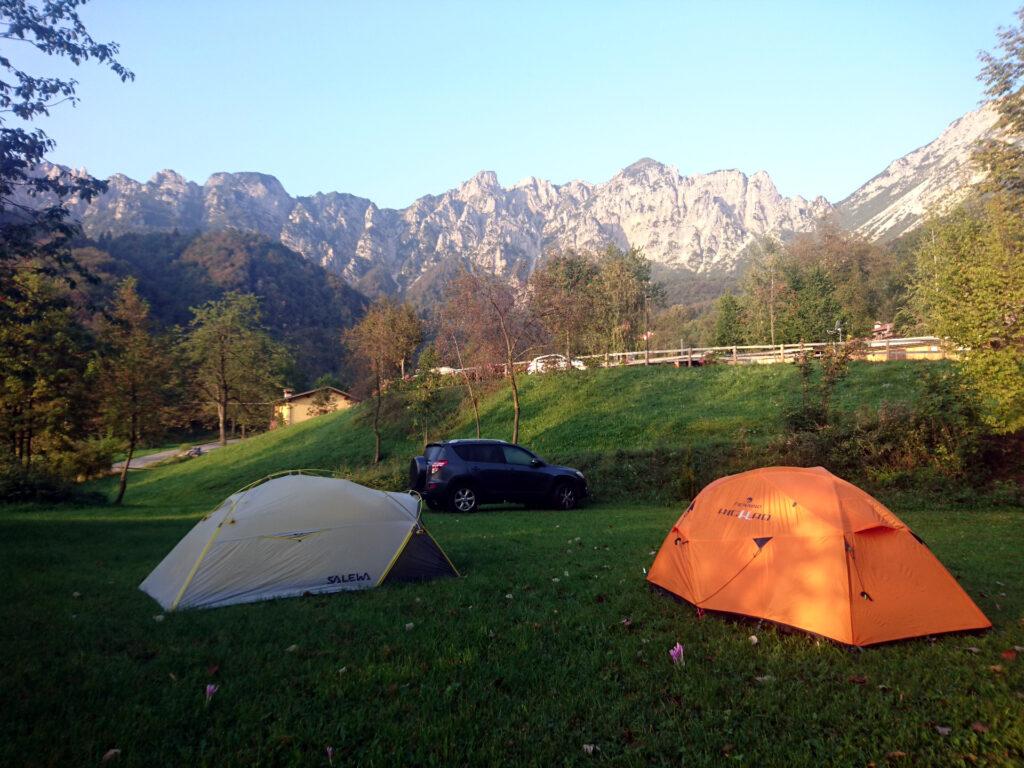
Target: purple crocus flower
<point>676,653</point>
<point>330,754</point>
<point>211,688</point>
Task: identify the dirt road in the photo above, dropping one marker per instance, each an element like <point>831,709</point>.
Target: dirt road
<point>143,462</point>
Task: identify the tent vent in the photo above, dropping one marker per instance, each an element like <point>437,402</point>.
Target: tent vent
<point>762,540</point>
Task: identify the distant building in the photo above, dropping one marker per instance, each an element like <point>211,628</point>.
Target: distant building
<point>882,331</point>
<point>293,408</point>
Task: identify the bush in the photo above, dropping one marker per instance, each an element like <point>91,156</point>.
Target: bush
<point>929,445</point>
<point>86,459</point>
<point>18,484</point>
<point>388,475</point>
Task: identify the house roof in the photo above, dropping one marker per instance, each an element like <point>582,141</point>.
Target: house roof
<point>297,395</point>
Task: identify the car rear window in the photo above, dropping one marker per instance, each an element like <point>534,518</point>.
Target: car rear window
<point>433,452</point>
<point>482,452</point>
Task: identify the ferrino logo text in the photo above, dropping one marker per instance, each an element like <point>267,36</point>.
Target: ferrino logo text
<point>747,511</point>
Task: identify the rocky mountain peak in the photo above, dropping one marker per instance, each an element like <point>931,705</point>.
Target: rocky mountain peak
<point>699,223</point>
<point>932,178</point>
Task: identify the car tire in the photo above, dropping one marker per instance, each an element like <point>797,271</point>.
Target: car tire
<point>565,496</point>
<point>464,499</point>
<point>433,504</point>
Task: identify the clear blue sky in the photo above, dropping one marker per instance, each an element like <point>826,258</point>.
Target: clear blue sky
<point>394,100</point>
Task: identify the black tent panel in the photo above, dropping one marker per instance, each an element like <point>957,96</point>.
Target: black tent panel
<point>762,540</point>
<point>421,559</point>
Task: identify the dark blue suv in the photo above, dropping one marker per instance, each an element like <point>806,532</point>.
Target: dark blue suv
<point>460,475</point>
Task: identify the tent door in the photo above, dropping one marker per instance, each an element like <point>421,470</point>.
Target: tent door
<point>421,559</point>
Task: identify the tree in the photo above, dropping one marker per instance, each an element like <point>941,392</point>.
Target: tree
<point>728,322</point>
<point>453,333</point>
<point>1003,75</point>
<point>134,375</point>
<point>813,311</point>
<point>765,291</point>
<point>52,28</point>
<point>408,333</point>
<point>499,328</point>
<point>233,360</point>
<point>424,396</point>
<point>970,288</point>
<point>624,292</point>
<point>44,348</point>
<point>382,340</point>
<point>562,298</point>
<point>970,264</point>
<point>855,269</point>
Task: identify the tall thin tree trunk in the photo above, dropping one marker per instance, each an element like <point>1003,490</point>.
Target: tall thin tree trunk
<point>515,403</point>
<point>122,483</point>
<point>222,408</point>
<point>28,436</point>
<point>376,423</point>
<point>469,386</point>
<point>476,405</point>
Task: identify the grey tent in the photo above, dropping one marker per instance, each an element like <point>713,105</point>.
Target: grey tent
<point>297,534</point>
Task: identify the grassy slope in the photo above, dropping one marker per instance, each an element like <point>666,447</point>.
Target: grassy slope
<point>564,416</point>
<point>482,678</point>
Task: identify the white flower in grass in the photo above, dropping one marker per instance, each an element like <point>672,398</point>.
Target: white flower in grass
<point>409,626</point>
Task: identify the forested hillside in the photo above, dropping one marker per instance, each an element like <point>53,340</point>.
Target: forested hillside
<point>303,306</point>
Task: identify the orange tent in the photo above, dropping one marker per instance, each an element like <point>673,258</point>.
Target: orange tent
<point>804,548</point>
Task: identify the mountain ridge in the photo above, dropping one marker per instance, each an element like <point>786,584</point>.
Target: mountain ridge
<point>697,224</point>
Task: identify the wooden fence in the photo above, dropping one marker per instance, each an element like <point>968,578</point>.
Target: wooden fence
<point>915,348</point>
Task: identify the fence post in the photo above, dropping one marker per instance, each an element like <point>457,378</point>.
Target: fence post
<point>689,357</point>
<point>734,360</point>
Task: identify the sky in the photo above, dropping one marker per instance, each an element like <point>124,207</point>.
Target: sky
<point>395,100</point>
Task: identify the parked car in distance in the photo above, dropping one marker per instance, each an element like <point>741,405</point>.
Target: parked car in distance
<point>460,475</point>
<point>554,363</point>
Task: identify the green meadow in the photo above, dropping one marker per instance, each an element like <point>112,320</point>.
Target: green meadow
<point>549,649</point>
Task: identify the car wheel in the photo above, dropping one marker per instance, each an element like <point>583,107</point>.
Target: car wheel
<point>464,499</point>
<point>565,496</point>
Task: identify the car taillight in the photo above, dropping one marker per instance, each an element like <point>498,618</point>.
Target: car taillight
<point>437,466</point>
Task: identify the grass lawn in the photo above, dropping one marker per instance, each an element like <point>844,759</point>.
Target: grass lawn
<point>522,661</point>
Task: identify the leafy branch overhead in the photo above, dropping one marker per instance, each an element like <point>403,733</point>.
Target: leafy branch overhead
<point>54,29</point>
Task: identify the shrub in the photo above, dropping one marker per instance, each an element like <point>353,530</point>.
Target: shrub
<point>18,484</point>
<point>86,459</point>
<point>929,445</point>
